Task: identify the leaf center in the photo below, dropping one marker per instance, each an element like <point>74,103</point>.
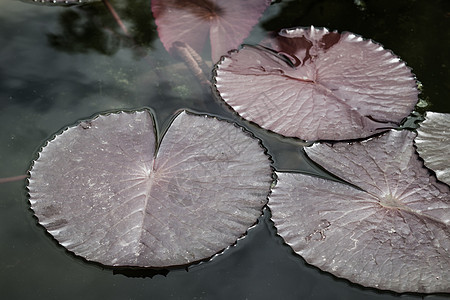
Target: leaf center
<point>390,201</point>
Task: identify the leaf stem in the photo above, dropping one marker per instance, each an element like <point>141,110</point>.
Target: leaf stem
<point>13,178</point>
<point>116,17</point>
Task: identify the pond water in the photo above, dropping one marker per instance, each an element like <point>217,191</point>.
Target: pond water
<point>59,65</point>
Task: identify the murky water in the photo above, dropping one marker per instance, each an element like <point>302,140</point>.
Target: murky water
<point>59,65</point>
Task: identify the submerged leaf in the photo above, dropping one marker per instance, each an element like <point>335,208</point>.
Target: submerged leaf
<point>105,193</point>
<point>393,233</point>
<point>227,23</point>
<point>433,144</point>
<point>318,85</point>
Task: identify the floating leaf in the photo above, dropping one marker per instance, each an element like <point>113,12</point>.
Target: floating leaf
<point>60,2</point>
<point>433,144</point>
<point>227,23</point>
<point>105,193</point>
<point>321,85</point>
<point>393,233</point>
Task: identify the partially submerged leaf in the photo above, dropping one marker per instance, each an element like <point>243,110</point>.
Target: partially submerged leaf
<point>105,193</point>
<point>318,85</point>
<point>433,144</point>
<point>227,23</point>
<point>393,233</point>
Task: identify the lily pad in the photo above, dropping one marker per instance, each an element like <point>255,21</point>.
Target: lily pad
<point>60,2</point>
<point>227,23</point>
<point>389,228</point>
<point>318,85</point>
<point>108,191</point>
<point>433,144</point>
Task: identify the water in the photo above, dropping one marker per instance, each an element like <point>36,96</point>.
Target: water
<point>59,65</point>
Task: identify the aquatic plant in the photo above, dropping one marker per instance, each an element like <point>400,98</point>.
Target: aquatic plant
<point>60,2</point>
<point>122,197</point>
<point>345,88</point>
<point>386,226</point>
<point>318,85</point>
<point>433,144</point>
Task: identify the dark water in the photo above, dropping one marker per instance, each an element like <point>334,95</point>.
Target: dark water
<point>59,65</point>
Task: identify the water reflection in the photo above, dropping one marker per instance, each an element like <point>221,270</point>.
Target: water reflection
<point>92,27</point>
<point>204,9</point>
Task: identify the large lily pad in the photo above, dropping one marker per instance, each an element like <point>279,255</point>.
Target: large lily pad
<point>393,232</point>
<point>315,84</point>
<point>109,192</point>
<point>433,144</point>
<point>227,23</point>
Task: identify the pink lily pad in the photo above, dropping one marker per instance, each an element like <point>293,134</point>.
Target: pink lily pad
<point>227,23</point>
<point>393,232</point>
<point>433,144</point>
<point>318,85</point>
<point>108,191</point>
